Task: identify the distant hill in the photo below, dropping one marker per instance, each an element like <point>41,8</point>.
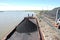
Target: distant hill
<point>1,11</point>
<point>52,13</point>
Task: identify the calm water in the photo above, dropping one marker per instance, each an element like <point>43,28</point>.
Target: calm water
<point>8,21</point>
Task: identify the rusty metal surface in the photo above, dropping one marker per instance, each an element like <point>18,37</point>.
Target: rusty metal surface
<point>28,29</point>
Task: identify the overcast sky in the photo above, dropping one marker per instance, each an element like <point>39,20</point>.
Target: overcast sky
<point>28,4</point>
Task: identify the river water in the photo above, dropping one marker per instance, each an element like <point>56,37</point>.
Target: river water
<point>10,19</point>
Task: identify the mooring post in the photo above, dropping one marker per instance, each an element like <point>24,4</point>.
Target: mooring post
<point>28,15</point>
<point>32,15</point>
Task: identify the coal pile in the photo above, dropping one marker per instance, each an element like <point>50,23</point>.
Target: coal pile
<point>26,27</point>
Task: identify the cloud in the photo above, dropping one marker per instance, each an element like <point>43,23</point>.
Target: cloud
<point>5,6</point>
<point>24,8</point>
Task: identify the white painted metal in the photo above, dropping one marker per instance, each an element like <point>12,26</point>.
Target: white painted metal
<point>56,15</point>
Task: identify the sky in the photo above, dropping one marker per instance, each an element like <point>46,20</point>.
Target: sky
<point>29,4</point>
